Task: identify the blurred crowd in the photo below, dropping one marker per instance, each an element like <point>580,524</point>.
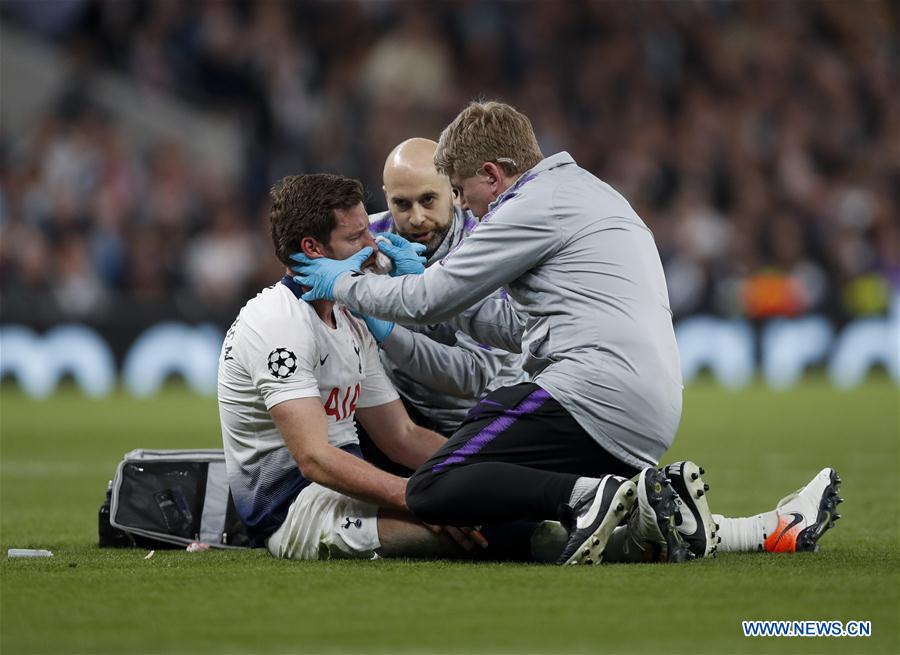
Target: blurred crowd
<point>760,141</point>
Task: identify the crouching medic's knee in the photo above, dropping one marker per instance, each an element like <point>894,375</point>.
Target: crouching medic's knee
<point>419,498</point>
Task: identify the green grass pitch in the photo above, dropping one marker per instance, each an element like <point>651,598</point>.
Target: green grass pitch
<point>756,445</point>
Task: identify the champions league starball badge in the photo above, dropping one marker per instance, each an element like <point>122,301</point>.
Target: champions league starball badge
<point>282,363</point>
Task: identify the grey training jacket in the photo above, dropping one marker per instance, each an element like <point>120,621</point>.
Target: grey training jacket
<point>583,272</point>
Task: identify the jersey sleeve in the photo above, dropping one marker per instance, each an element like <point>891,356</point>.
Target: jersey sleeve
<point>279,353</point>
<point>464,370</point>
<point>518,236</point>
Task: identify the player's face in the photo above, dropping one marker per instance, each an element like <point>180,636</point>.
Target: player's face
<point>421,204</point>
<point>475,193</point>
<point>350,235</point>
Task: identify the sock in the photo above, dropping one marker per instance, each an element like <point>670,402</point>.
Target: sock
<point>745,535</point>
<point>583,487</point>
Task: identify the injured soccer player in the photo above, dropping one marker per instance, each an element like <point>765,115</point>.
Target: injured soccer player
<point>293,376</point>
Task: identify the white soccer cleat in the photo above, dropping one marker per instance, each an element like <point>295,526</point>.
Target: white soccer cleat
<point>805,515</point>
<point>652,521</point>
<point>594,519</point>
<point>693,520</point>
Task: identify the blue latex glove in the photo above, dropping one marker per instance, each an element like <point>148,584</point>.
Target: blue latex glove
<point>379,328</point>
<point>321,274</point>
<point>406,256</point>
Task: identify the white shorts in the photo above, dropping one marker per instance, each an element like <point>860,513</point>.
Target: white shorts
<point>324,524</point>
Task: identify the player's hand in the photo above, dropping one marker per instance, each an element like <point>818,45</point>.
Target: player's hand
<point>406,256</point>
<point>379,328</point>
<point>467,538</point>
<point>320,274</point>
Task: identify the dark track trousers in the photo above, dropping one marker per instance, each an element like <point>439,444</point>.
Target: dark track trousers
<point>516,456</point>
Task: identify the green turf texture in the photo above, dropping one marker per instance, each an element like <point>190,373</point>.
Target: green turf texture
<point>756,445</point>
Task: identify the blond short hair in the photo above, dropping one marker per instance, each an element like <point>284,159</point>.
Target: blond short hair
<point>487,132</point>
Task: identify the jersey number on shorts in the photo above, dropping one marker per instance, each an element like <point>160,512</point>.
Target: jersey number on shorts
<point>341,410</point>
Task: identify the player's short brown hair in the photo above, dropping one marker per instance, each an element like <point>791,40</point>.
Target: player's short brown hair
<point>487,131</point>
<point>303,206</point>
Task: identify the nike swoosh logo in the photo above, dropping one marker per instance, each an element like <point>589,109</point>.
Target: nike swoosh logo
<point>586,519</point>
<point>798,518</point>
<point>322,360</point>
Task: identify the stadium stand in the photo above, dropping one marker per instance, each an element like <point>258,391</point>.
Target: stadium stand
<point>768,175</point>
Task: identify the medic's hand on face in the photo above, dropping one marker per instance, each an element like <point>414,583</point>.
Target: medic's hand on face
<point>407,257</point>
<point>321,273</point>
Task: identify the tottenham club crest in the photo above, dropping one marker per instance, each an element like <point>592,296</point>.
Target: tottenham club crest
<point>282,363</point>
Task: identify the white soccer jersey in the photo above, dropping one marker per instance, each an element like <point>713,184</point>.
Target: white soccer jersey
<point>279,349</point>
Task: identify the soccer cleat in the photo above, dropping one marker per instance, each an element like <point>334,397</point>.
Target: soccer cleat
<point>653,519</point>
<point>805,515</point>
<point>693,518</point>
<point>592,522</point>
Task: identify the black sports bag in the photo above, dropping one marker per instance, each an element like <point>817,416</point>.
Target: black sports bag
<point>168,499</point>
